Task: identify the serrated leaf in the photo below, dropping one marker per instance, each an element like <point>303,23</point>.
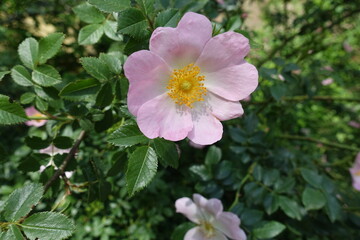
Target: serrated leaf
<point>142,168</point>
<point>36,142</point>
<point>213,155</point>
<point>13,233</point>
<point>28,52</point>
<point>110,29</point>
<point>110,5</point>
<point>27,98</point>
<point>146,6</point>
<point>167,152</point>
<point>132,22</point>
<point>80,87</point>
<point>105,95</point>
<point>63,142</point>
<point>11,113</point>
<point>126,136</point>
<point>96,68</point>
<point>112,61</point>
<point>313,199</point>
<point>21,200</point>
<point>168,18</point>
<point>90,34</point>
<point>21,76</point>
<point>48,226</point>
<point>46,76</point>
<point>41,104</point>
<point>271,203</point>
<point>49,46</point>
<point>332,208</point>
<point>3,73</point>
<point>88,13</point>
<point>290,207</point>
<point>269,230</point>
<point>311,177</point>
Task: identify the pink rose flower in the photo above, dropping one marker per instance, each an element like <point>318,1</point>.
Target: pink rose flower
<point>354,124</point>
<point>212,222</point>
<point>32,112</point>
<point>327,81</point>
<point>355,173</point>
<point>188,82</point>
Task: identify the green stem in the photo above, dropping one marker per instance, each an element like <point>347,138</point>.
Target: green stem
<point>305,97</point>
<point>50,118</point>
<point>330,144</point>
<point>243,181</point>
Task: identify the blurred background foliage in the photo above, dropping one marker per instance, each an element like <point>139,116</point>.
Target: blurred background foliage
<point>285,160</point>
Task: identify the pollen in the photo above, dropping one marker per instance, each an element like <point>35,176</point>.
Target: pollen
<point>186,85</point>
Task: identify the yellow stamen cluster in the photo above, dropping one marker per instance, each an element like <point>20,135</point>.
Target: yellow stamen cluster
<point>357,173</point>
<point>186,85</point>
<point>208,228</point>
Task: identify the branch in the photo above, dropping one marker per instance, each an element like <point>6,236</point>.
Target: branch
<point>305,97</point>
<point>62,168</point>
<point>330,144</point>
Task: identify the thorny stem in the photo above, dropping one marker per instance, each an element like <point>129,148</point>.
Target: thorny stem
<point>243,181</point>
<point>61,169</point>
<point>330,144</point>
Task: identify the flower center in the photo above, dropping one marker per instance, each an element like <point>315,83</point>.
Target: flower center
<point>357,173</point>
<point>208,228</point>
<point>186,85</point>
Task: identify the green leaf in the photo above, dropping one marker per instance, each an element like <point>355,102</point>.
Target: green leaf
<point>49,46</point>
<point>146,6</point>
<point>63,142</point>
<point>269,230</point>
<point>271,203</point>
<point>110,29</point>
<point>201,171</point>
<point>90,34</point>
<point>126,136</point>
<point>142,168</point>
<point>88,13</point>
<point>332,208</point>
<point>80,88</point>
<point>21,200</point>
<point>27,98</point>
<point>278,91</point>
<point>96,68</point>
<point>21,76</point>
<point>132,22</point>
<point>3,73</point>
<point>167,152</point>
<point>48,226</point>
<point>41,104</point>
<point>36,142</point>
<point>311,177</point>
<point>213,155</point>
<point>28,51</point>
<point>110,5</point>
<point>13,233</point>
<point>11,113</point>
<point>105,95</point>
<point>313,199</point>
<point>290,207</point>
<point>46,76</point>
<point>168,18</point>
<point>112,61</point>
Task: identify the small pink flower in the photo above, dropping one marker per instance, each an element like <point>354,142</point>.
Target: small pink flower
<point>354,124</point>
<point>52,150</point>
<point>188,82</point>
<point>355,173</point>
<point>220,1</point>
<point>328,68</point>
<point>281,77</point>
<point>327,81</point>
<point>32,112</point>
<point>212,222</point>
<point>347,47</point>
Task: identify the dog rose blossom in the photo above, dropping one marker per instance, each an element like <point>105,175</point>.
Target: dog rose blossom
<point>355,173</point>
<point>212,222</point>
<point>189,81</point>
<point>32,112</point>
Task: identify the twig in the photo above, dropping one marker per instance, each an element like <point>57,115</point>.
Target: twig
<point>330,144</point>
<point>61,169</point>
<point>305,97</point>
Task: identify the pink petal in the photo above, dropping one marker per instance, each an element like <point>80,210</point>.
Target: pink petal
<point>148,75</point>
<point>162,117</point>
<point>228,223</point>
<point>197,233</point>
<point>178,46</point>
<point>188,208</point>
<point>199,200</point>
<point>214,206</point>
<point>223,50</point>
<point>223,109</point>
<point>207,129</point>
<point>233,83</point>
